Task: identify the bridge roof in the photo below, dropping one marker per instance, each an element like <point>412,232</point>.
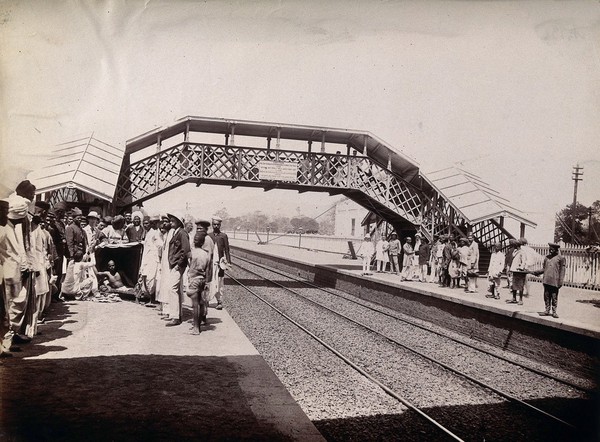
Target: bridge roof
<point>87,164</point>
<point>377,149</point>
<point>472,197</point>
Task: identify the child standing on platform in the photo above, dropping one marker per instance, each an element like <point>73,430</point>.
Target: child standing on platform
<point>494,270</point>
<point>454,266</point>
<point>463,261</point>
<point>198,273</point>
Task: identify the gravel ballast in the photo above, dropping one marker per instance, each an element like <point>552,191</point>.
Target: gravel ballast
<point>323,390</point>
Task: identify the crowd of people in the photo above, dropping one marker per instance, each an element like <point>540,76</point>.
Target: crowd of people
<point>49,253</point>
<point>454,263</point>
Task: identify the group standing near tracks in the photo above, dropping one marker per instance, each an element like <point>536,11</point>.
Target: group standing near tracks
<point>454,263</point>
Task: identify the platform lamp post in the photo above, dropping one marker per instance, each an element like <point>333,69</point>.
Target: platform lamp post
<point>247,232</point>
<point>268,230</point>
<point>300,232</point>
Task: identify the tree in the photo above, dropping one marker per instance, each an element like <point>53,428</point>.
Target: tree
<point>233,223</point>
<point>327,223</point>
<point>222,213</point>
<point>279,224</point>
<point>307,224</point>
<point>585,232</point>
<point>258,221</point>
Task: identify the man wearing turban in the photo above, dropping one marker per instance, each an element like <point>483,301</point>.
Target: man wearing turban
<point>18,266</point>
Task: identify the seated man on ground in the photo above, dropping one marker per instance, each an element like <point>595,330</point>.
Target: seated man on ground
<point>80,279</point>
<point>115,280</point>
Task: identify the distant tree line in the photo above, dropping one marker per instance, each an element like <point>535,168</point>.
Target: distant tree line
<point>587,224</point>
<point>258,221</point>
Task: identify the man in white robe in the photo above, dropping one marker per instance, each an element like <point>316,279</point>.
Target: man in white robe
<point>39,253</point>
<point>150,268</point>
<point>18,265</point>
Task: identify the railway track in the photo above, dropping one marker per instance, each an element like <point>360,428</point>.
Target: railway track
<point>399,353</point>
<point>580,385</point>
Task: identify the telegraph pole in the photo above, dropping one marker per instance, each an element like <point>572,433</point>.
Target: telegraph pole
<point>589,226</point>
<point>576,178</point>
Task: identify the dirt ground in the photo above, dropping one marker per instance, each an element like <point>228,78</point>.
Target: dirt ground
<point>114,372</point>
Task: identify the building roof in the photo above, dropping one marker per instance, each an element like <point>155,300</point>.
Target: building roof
<point>377,149</point>
<point>87,164</point>
<point>473,198</point>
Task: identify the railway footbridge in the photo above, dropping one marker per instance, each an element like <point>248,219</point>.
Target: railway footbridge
<point>356,164</point>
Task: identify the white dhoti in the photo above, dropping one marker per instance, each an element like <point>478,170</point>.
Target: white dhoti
<point>16,301</point>
<point>216,284</point>
<point>150,269</point>
<point>162,293</point>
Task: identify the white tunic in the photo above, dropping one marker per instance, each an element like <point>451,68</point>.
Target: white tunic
<point>162,293</point>
<point>40,257</point>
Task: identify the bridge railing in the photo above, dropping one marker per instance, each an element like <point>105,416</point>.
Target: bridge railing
<point>186,162</point>
<point>208,162</point>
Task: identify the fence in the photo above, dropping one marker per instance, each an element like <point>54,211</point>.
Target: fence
<point>582,265</point>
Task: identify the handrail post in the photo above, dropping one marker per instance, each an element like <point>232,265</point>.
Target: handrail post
<point>157,174</point>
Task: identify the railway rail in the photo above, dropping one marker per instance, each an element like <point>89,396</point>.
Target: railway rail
<point>581,385</point>
<point>308,287</point>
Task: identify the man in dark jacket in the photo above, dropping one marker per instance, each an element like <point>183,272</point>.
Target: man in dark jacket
<point>57,228</point>
<point>179,253</point>
<point>554,276</point>
<point>222,242</point>
<point>424,255</point>
<point>76,237</point>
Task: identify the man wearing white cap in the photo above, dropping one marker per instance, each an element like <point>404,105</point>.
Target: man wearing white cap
<point>222,242</point>
<point>17,262</point>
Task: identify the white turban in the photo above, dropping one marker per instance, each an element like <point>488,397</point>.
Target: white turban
<point>17,206</point>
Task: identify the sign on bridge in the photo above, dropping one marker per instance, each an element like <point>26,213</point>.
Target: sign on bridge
<point>277,171</point>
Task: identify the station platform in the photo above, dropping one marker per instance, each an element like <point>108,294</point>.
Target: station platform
<point>113,371</point>
<point>578,309</point>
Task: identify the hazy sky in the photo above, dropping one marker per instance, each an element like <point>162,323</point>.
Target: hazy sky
<point>511,89</point>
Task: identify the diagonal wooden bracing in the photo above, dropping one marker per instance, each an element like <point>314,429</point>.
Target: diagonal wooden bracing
<point>360,177</point>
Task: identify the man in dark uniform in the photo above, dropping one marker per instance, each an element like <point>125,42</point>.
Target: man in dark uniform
<point>178,254</point>
<point>222,242</point>
<point>554,276</point>
<point>76,237</point>
<point>57,228</point>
